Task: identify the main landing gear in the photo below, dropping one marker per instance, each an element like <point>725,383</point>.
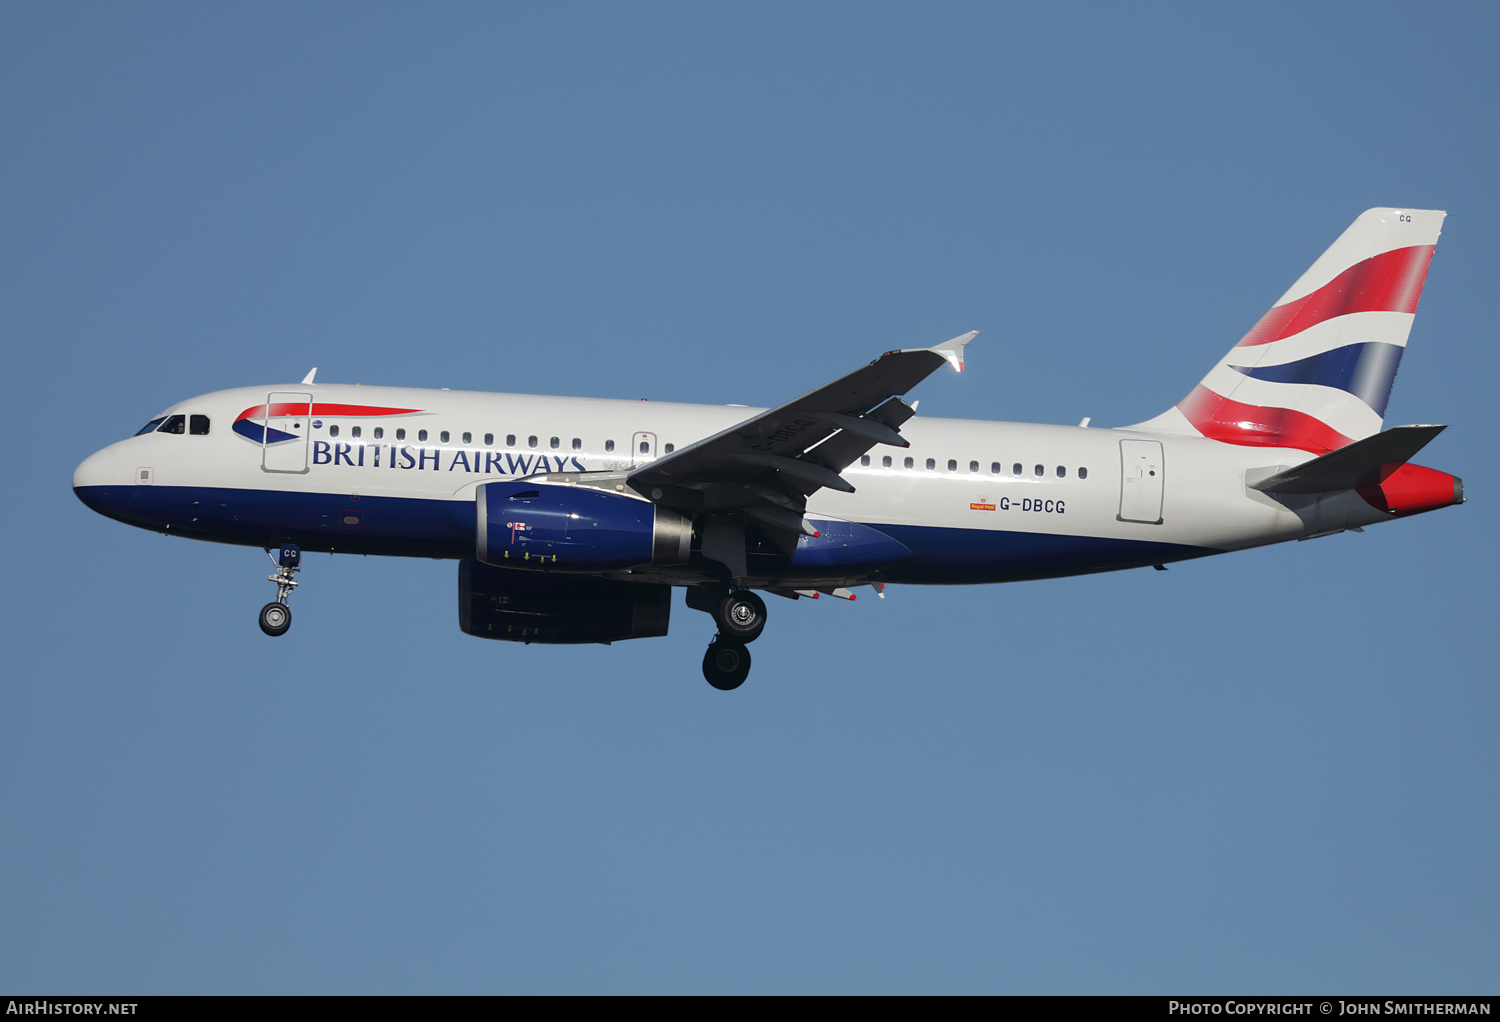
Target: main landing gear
<point>726,665</point>
<point>741,617</point>
<point>276,618</point>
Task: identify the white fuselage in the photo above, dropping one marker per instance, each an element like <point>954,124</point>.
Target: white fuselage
<point>960,485</point>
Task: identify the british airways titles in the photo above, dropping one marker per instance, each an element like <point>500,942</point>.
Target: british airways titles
<point>418,458</point>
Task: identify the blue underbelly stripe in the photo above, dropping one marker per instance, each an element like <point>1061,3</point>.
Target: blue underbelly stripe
<point>984,555</point>
<point>418,527</point>
<point>399,526</point>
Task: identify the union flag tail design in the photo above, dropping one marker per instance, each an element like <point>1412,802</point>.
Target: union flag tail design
<point>1316,372</point>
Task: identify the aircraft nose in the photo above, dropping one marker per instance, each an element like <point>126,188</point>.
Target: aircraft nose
<point>95,471</point>
<point>101,479</point>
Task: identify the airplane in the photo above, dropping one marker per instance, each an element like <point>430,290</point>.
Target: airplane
<point>572,519</point>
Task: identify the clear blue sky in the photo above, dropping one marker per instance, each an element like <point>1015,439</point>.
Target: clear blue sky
<point>1274,771</point>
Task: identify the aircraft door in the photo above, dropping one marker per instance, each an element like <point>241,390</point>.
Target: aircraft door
<point>1141,477</point>
<point>287,421</point>
<point>642,449</point>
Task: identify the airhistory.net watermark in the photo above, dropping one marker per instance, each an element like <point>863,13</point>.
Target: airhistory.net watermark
<point>41,1006</point>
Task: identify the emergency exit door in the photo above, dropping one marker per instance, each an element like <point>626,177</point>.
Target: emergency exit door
<point>1141,478</point>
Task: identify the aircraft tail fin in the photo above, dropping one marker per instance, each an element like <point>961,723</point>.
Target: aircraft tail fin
<point>1315,373</point>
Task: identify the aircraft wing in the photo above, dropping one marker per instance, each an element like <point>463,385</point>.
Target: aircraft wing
<point>769,464</point>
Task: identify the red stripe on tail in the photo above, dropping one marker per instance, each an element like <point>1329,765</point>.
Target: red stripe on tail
<point>1389,282</point>
<point>1219,418</point>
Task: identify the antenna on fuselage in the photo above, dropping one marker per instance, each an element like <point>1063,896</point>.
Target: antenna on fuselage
<point>309,377</point>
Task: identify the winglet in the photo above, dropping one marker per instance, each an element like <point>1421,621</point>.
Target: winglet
<point>309,378</point>
<point>953,350</point>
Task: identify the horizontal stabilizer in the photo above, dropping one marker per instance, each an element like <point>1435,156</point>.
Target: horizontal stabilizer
<point>1367,462</point>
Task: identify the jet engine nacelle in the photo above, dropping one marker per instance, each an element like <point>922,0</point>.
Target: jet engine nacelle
<point>573,528</point>
<point>530,606</point>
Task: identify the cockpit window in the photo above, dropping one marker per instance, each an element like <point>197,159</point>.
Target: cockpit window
<point>150,427</point>
<point>198,425</point>
<point>173,424</point>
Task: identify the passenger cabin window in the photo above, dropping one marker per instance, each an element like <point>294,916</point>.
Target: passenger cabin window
<point>1062,473</point>
<point>994,468</point>
<point>1039,471</point>
<point>952,465</point>
<point>198,425</point>
<point>379,432</point>
<point>910,463</point>
<point>609,446</point>
<point>885,462</point>
<point>468,438</point>
<point>443,437</point>
<point>150,427</point>
<point>401,433</point>
<point>354,432</point>
<point>333,430</point>
<point>554,443</point>
<point>931,464</point>
<point>864,459</point>
<point>1083,473</point>
<point>577,444</point>
<point>973,466</point>
<point>671,448</point>
<point>1015,469</point>
<point>489,440</point>
<point>510,440</point>
<point>421,436</point>
<point>531,441</point>
<point>173,424</point>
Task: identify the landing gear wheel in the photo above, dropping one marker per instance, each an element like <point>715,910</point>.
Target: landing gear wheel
<point>726,665</point>
<point>275,618</point>
<point>742,616</point>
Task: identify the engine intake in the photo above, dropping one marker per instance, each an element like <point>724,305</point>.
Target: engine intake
<point>573,528</point>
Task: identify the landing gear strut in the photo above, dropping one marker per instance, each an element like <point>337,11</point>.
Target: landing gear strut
<point>276,618</point>
<point>741,617</point>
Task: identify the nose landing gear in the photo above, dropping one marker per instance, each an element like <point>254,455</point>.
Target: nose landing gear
<point>276,618</point>
<point>741,617</point>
